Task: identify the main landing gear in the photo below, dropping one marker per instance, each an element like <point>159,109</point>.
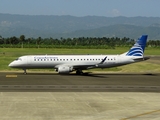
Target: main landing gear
<point>79,72</point>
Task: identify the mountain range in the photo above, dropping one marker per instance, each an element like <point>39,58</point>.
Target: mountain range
<point>71,26</point>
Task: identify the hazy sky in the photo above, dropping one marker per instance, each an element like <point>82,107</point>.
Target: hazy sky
<point>108,8</point>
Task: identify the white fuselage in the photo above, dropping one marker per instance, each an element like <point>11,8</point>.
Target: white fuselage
<point>76,61</point>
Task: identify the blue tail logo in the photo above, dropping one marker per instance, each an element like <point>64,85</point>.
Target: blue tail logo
<point>139,47</point>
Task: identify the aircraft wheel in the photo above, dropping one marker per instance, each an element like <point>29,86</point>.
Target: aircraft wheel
<point>25,72</point>
<point>79,72</point>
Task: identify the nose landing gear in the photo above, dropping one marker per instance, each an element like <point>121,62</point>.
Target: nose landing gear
<point>25,72</point>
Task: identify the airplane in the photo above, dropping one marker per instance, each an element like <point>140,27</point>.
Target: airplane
<point>65,64</point>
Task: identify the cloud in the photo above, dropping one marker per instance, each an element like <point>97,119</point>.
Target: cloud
<point>5,23</point>
<point>115,12</point>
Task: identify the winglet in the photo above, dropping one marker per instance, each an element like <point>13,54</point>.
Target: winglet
<point>103,60</point>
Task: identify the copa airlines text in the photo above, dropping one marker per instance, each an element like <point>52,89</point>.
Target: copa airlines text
<point>64,64</point>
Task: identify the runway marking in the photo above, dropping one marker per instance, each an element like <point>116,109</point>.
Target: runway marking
<point>11,76</point>
<point>78,87</point>
<point>140,115</point>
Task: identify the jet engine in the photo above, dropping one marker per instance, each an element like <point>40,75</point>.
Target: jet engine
<point>64,69</point>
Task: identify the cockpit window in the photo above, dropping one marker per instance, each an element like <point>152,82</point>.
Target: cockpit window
<point>18,59</point>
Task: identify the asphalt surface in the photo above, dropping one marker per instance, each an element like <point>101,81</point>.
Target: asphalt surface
<point>50,82</point>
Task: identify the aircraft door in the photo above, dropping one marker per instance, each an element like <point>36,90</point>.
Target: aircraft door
<point>118,59</point>
<point>29,60</point>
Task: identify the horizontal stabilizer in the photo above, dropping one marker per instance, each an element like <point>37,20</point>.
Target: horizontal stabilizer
<point>141,59</point>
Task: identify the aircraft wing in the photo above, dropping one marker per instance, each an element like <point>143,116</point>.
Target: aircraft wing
<point>76,66</point>
<point>82,66</point>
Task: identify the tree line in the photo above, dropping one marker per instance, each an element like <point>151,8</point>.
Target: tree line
<point>81,42</point>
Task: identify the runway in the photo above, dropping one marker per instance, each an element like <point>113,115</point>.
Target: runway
<point>91,96</point>
<point>91,82</point>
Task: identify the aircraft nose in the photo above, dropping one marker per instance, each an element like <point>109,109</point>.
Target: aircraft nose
<point>11,64</point>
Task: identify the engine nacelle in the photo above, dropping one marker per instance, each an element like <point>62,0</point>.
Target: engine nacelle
<point>64,69</point>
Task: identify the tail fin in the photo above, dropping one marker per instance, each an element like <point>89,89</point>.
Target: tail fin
<point>139,47</point>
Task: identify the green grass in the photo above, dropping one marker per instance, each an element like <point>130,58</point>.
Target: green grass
<point>26,51</point>
<point>9,54</point>
<point>141,67</point>
<point>152,51</point>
